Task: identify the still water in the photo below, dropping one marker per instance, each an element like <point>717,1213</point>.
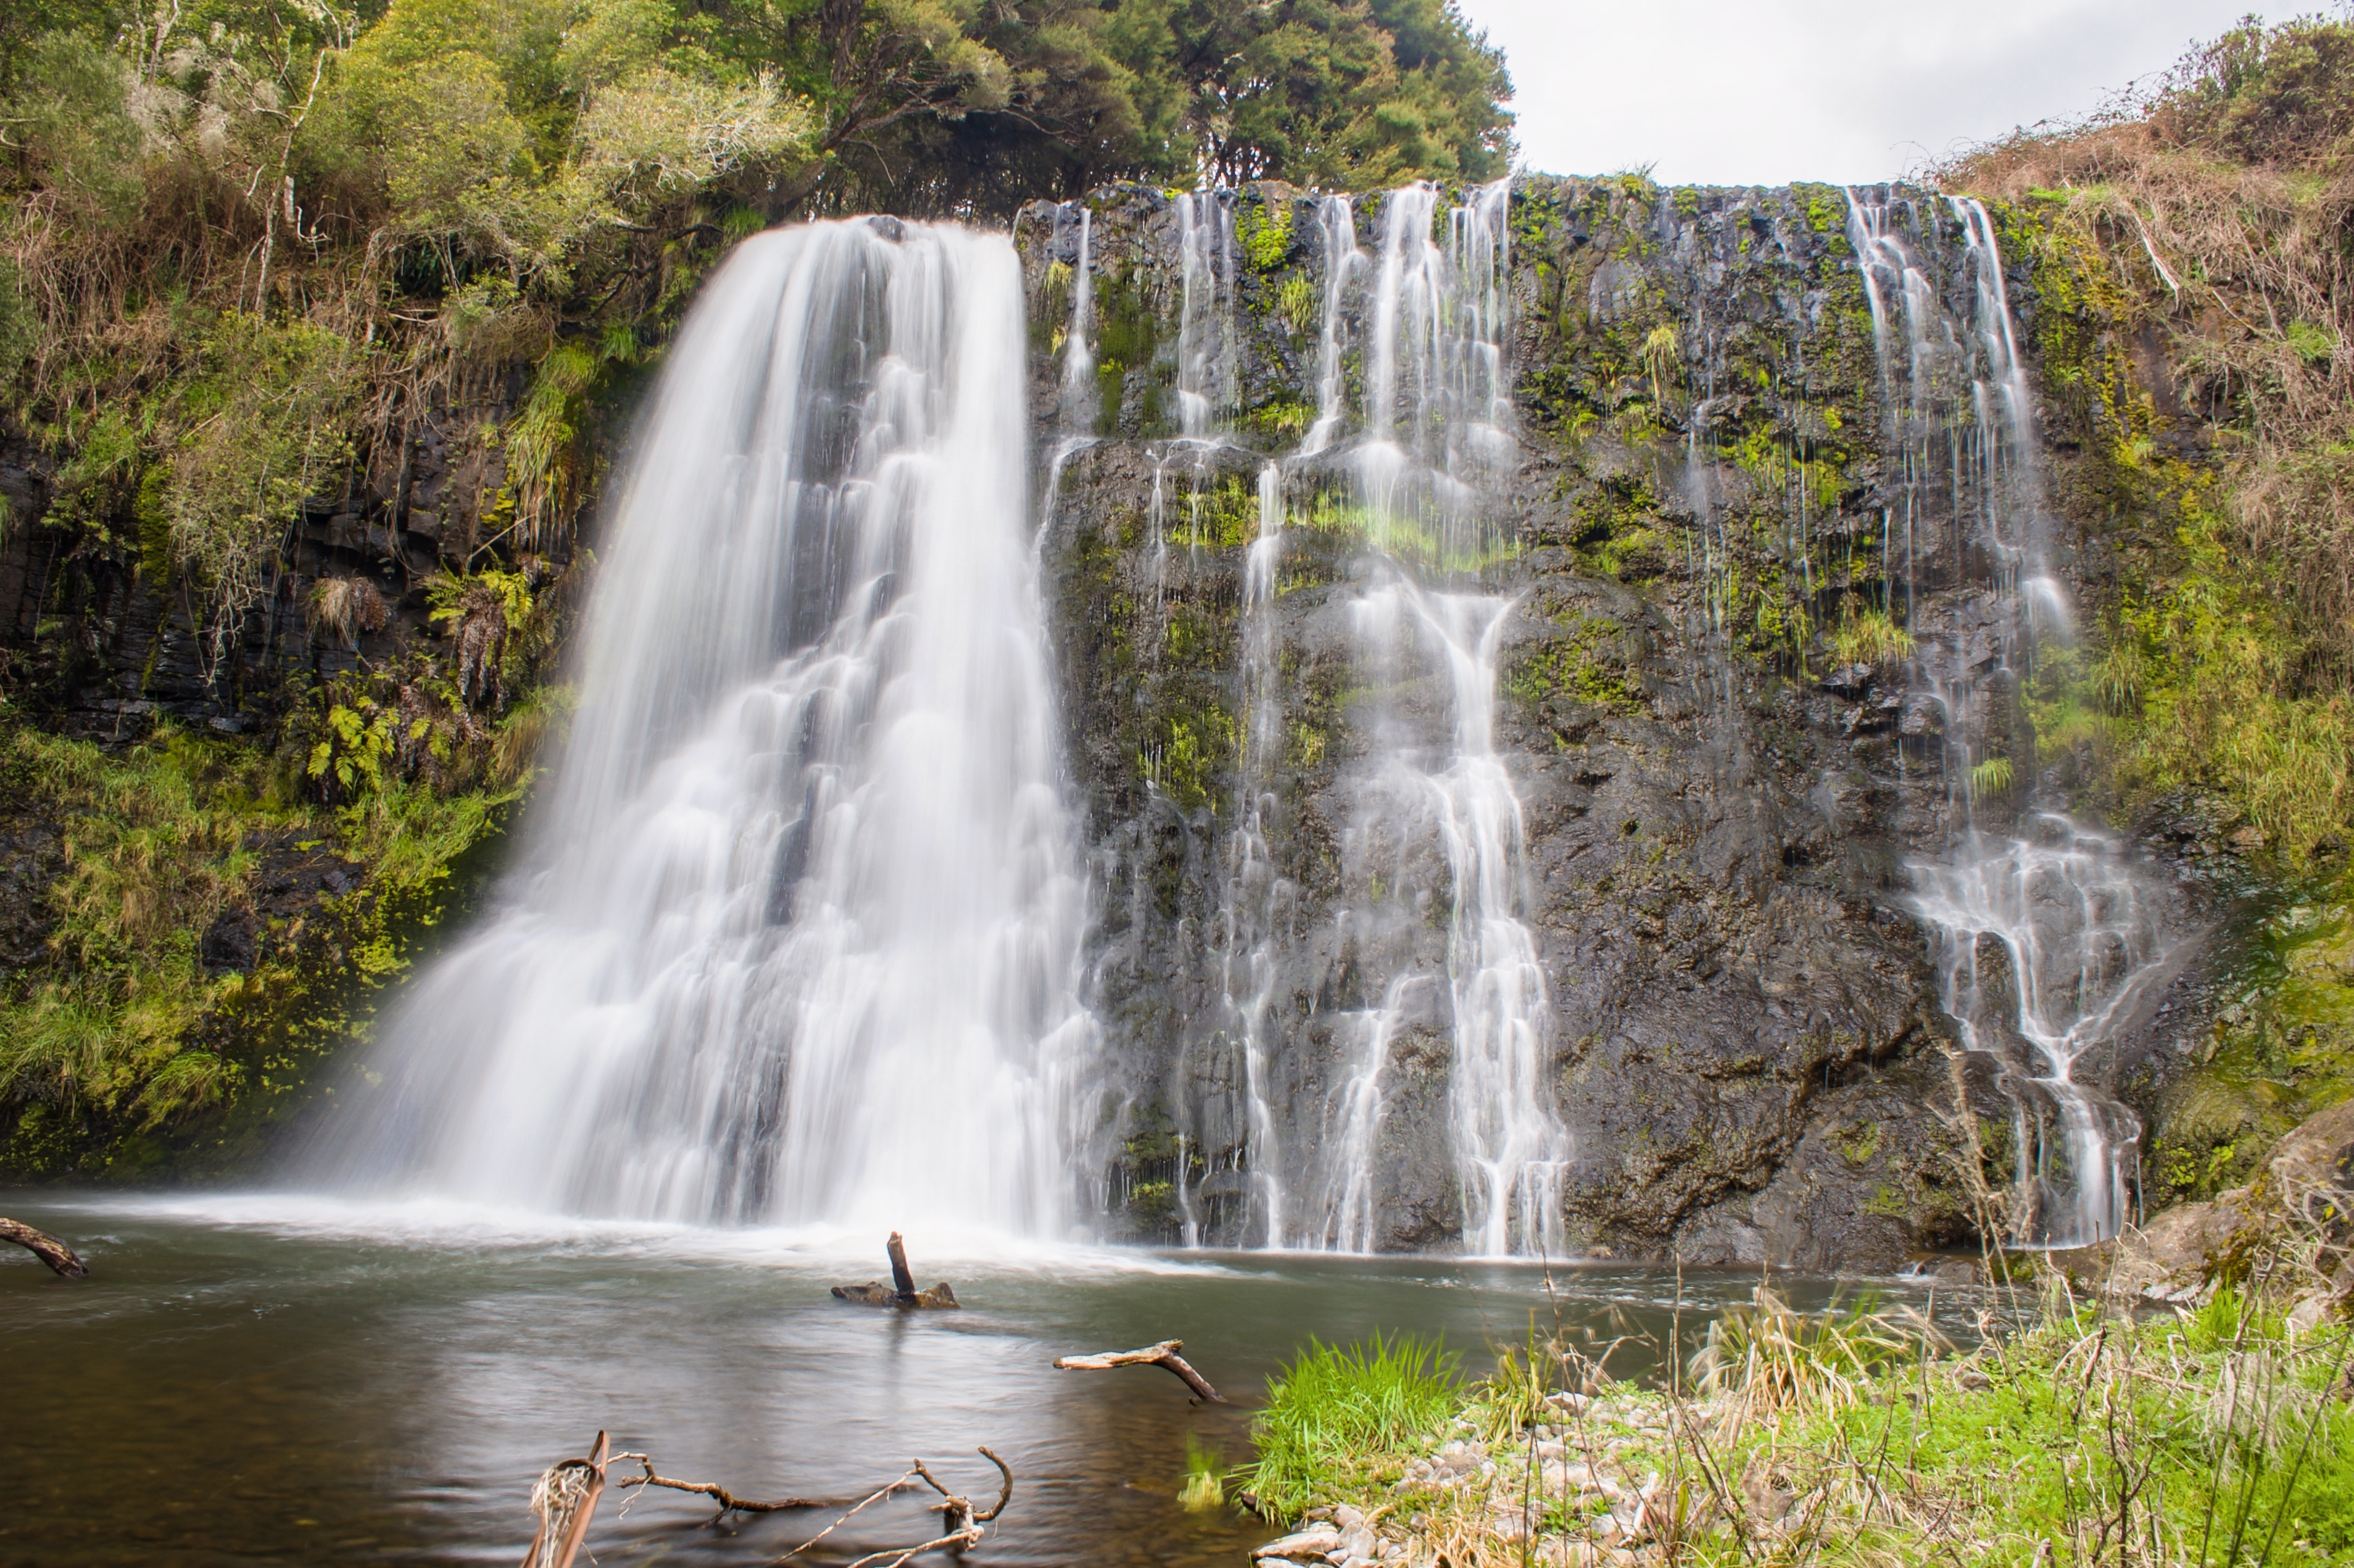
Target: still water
<point>266,1379</point>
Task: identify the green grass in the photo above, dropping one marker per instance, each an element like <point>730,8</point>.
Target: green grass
<point>1334,1408</point>
<point>2085,1436</point>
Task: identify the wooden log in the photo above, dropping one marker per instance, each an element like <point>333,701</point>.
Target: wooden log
<point>1163,1354</point>
<point>874,1293</point>
<point>566,1499</point>
<point>901,1278</point>
<point>901,1291</point>
<point>60,1257</point>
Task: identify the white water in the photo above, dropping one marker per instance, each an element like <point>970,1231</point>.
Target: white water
<point>2083,945</point>
<point>1434,440</point>
<point>798,937</point>
<point>2080,927</point>
<point>1079,353</point>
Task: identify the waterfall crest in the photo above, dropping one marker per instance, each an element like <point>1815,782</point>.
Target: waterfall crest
<point>797,936</point>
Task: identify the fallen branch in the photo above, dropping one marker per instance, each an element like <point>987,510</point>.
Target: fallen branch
<point>1163,1354</point>
<point>964,1525</point>
<point>730,1503</point>
<point>901,1291</point>
<point>60,1257</point>
<point>565,1499</point>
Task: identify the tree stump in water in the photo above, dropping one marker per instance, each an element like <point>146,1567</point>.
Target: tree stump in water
<point>60,1257</point>
<point>901,1291</point>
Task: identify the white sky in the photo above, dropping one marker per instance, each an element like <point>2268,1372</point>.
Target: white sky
<point>1764,91</point>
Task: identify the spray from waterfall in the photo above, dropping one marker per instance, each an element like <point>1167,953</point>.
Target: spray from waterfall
<point>797,937</point>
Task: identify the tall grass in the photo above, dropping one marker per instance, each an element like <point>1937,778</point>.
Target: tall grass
<point>1335,1405</point>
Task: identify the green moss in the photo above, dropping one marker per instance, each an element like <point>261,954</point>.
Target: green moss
<point>1587,666</point>
<point>1264,230</point>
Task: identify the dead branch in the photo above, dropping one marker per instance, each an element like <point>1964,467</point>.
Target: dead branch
<point>730,1503</point>
<point>907,1479</point>
<point>565,1499</point>
<point>1163,1354</point>
<point>1005,1492</point>
<point>61,1258</point>
<point>963,1529</point>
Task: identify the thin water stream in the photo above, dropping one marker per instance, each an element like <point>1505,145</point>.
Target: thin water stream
<point>267,1379</point>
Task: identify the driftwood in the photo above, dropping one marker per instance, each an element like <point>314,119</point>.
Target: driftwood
<point>901,1291</point>
<point>730,1503</point>
<point>565,1499</point>
<point>567,1495</point>
<point>1163,1354</point>
<point>960,1524</point>
<point>60,1257</point>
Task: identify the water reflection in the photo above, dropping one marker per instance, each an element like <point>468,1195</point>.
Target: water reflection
<point>282,1381</point>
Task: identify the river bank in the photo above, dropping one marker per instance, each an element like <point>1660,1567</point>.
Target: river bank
<point>2182,1397</point>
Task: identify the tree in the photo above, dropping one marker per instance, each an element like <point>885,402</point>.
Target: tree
<point>939,107</point>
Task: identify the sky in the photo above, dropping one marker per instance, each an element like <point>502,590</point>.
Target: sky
<point>1764,91</point>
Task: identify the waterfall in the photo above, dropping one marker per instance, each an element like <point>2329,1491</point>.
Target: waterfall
<point>1435,439</point>
<point>1206,338</point>
<point>1078,354</point>
<point>797,937</point>
<point>2047,939</point>
<point>1336,223</point>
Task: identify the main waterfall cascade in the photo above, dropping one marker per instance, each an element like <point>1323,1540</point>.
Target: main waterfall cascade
<point>2046,941</point>
<point>798,936</point>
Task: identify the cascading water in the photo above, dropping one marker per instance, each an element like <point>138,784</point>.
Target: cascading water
<point>798,938</point>
<point>1435,437</point>
<point>2046,940</point>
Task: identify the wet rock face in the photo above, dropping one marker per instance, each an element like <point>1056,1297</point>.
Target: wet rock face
<point>1745,1042</point>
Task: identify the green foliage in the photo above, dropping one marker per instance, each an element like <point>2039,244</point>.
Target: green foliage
<point>119,1028</point>
<point>1991,777</point>
<point>1765,1358</point>
<point>1332,1408</point>
<point>348,758</point>
<point>1589,666</point>
<point>1204,1487</point>
<point>1868,637</point>
<point>252,429</point>
<point>2207,1438</point>
<point>1300,303</point>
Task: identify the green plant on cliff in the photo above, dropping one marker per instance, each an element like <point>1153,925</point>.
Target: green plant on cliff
<point>120,1025</point>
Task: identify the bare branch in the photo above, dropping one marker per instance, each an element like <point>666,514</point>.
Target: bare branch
<point>1163,1354</point>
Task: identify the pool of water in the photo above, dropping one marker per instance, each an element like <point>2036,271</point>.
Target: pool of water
<point>263,1379</point>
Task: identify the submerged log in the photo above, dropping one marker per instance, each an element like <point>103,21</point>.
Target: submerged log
<point>60,1257</point>
<point>901,1291</point>
<point>565,1499</point>
<point>1163,1354</point>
